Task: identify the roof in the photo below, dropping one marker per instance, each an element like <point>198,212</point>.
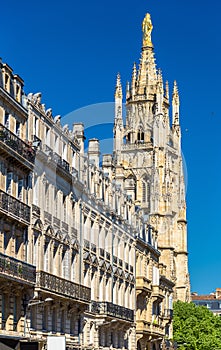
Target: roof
<point>205,297</point>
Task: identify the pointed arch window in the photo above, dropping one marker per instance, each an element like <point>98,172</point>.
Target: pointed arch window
<point>140,136</point>
<point>145,190</point>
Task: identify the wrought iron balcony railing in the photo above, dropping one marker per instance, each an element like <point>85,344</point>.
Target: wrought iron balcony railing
<point>36,209</point>
<point>17,269</point>
<point>63,287</point>
<point>14,207</point>
<point>47,216</point>
<point>61,162</point>
<point>113,310</point>
<point>16,144</point>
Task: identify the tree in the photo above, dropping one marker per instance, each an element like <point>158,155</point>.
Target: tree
<point>196,327</point>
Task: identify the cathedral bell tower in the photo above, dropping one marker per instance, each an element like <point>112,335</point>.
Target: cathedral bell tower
<point>148,159</point>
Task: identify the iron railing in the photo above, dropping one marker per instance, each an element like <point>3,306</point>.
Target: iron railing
<point>56,221</point>
<point>14,206</point>
<point>47,216</point>
<point>17,268</point>
<point>61,162</point>
<point>36,209</point>
<point>113,310</point>
<point>16,144</point>
<point>62,286</point>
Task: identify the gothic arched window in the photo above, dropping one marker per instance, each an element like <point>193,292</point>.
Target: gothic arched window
<point>145,190</point>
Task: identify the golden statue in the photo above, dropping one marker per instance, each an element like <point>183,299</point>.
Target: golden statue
<point>147,29</point>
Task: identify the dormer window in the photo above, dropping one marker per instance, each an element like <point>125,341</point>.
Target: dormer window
<point>18,93</point>
<point>7,82</point>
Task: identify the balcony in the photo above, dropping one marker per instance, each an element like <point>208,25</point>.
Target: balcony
<point>17,269</point>
<point>168,313</point>
<point>62,165</point>
<point>13,146</point>
<point>14,208</point>
<point>63,287</point>
<point>47,217</point>
<point>157,292</point>
<point>143,285</point>
<point>143,326</point>
<point>112,310</point>
<point>36,210</point>
<point>157,326</point>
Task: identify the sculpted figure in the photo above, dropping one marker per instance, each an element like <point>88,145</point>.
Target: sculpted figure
<point>147,29</point>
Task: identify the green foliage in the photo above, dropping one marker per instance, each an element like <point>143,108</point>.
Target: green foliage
<point>196,327</point>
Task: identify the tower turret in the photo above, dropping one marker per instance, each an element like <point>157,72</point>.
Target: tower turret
<point>149,164</point>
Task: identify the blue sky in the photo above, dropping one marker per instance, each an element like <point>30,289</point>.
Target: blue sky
<point>71,51</point>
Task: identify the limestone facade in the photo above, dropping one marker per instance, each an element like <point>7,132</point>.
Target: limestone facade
<point>93,253</point>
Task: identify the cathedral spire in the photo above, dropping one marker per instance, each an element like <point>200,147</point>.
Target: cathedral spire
<point>147,69</point>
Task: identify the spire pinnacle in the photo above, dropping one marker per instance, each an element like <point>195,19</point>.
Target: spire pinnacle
<point>134,78</point>
<point>176,104</point>
<point>160,81</point>
<point>167,90</point>
<point>118,89</point>
<point>176,99</point>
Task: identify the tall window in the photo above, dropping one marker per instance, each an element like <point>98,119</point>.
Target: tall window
<point>3,311</point>
<point>33,316</point>
<point>62,321</point>
<point>47,197</point>
<point>55,202</point>
<point>156,277</point>
<point>140,136</point>
<point>54,320</point>
<point>9,177</point>
<point>15,313</point>
<point>64,207</point>
<point>6,123</point>
<point>66,263</point>
<point>35,250</point>
<point>6,241</point>
<point>47,136</point>
<point>45,318</point>
<point>145,190</point>
<point>73,324</point>
<point>17,128</point>
<point>65,151</point>
<point>36,127</point>
<point>20,189</point>
<point>46,256</point>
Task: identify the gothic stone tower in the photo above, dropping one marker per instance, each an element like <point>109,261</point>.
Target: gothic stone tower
<point>148,160</point>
